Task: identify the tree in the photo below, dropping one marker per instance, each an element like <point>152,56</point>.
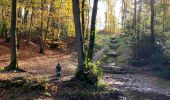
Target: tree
<point>4,26</point>
<point>92,30</point>
<point>152,5</point>
<point>42,18</point>
<point>79,39</point>
<point>14,58</point>
<point>82,18</point>
<point>48,21</point>
<point>30,21</point>
<point>88,17</point>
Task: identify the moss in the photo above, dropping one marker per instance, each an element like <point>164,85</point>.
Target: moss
<point>2,69</point>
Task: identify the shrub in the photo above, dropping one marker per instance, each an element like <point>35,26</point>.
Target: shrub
<point>90,73</point>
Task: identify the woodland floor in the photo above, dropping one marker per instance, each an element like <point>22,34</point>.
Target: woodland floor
<point>40,66</point>
<point>37,66</point>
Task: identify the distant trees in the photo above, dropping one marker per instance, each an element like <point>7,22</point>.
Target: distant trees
<point>148,21</point>
<point>110,19</point>
<point>3,31</point>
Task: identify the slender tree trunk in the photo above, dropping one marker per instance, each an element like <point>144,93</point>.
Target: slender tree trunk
<point>165,8</point>
<point>14,58</point>
<point>135,29</point>
<point>92,31</point>
<point>48,21</point>
<point>31,23</point>
<point>82,18</point>
<point>42,18</point>
<point>152,4</point>
<point>88,21</point>
<point>138,32</point>
<point>2,30</point>
<point>124,11</point>
<point>79,39</point>
<point>134,16</point>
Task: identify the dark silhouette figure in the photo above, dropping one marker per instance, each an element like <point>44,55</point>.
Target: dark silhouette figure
<point>58,71</point>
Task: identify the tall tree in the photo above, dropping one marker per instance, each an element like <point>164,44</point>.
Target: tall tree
<point>4,27</point>
<point>152,6</point>
<point>92,30</point>
<point>138,31</point>
<point>48,21</point>
<point>79,39</point>
<point>134,16</point>
<point>30,21</point>
<point>88,21</point>
<point>42,18</point>
<point>82,18</point>
<point>14,58</point>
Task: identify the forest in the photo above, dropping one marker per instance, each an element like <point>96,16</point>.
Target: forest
<point>84,49</point>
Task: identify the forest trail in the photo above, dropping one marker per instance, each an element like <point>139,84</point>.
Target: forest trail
<point>142,83</point>
<point>98,55</point>
<point>135,82</point>
<point>138,82</point>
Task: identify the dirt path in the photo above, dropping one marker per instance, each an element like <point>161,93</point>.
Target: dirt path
<point>98,54</point>
<point>138,82</point>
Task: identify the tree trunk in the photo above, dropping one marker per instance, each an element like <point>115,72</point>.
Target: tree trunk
<point>134,16</point>
<point>2,30</point>
<point>48,21</point>
<point>88,17</point>
<point>138,32</point>
<point>41,38</point>
<point>30,24</point>
<point>92,31</point>
<point>152,4</point>
<point>82,18</point>
<point>80,52</point>
<point>14,58</point>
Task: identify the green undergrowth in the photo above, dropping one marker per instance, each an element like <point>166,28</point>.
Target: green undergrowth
<point>101,40</point>
<point>91,74</point>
